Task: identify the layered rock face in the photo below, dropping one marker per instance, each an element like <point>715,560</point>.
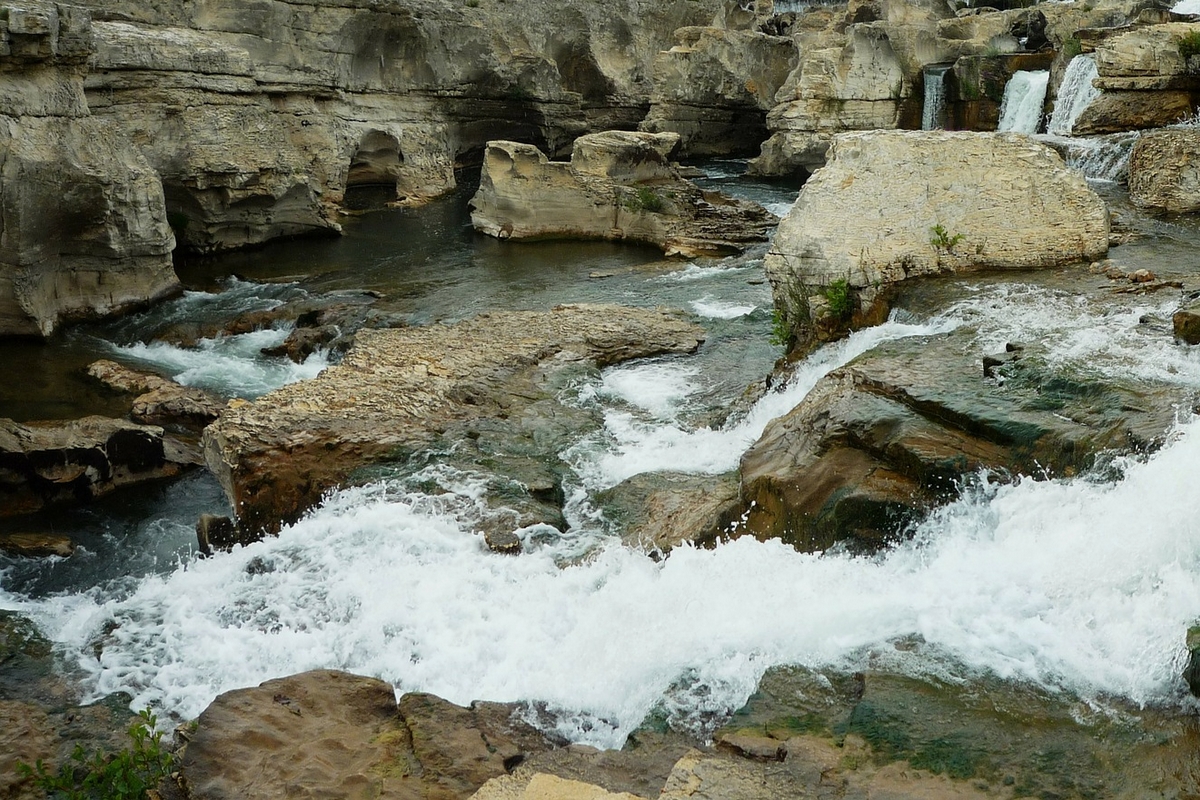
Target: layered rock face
<point>892,205</point>
<point>259,118</point>
<point>1145,80</point>
<point>84,222</point>
<point>1164,171</point>
<point>617,185</point>
<point>715,87</point>
<point>397,390</point>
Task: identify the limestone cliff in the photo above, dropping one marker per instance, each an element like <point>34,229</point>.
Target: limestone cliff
<point>83,227</point>
<point>259,117</point>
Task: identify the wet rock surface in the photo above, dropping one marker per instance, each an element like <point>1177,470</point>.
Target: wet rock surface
<point>892,434</point>
<point>158,400</point>
<point>617,185</point>
<point>660,510</point>
<point>399,390</point>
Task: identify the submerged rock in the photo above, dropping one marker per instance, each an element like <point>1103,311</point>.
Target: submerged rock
<point>398,390</point>
<point>894,205</point>
<point>617,185</point>
<point>36,545</point>
<point>48,463</point>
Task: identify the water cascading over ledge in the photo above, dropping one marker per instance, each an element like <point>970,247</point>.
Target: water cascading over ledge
<point>1024,99</point>
<point>1074,95</point>
<point>933,113</point>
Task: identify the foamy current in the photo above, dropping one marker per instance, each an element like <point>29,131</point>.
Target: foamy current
<point>1076,584</point>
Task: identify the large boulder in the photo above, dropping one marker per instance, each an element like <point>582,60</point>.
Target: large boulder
<point>1164,171</point>
<point>397,390</point>
<point>893,205</point>
<point>882,440</point>
<point>333,734</point>
<point>83,214</point>
<point>617,185</point>
<point>1147,59</point>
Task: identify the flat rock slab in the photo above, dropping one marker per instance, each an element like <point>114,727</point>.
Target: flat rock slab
<point>397,390</point>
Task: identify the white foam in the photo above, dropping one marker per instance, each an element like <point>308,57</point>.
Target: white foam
<point>720,309</point>
<point>779,209</point>
<point>694,272</point>
<point>632,445</point>
<point>233,366</point>
<point>657,387</point>
<point>1069,584</point>
<point>1186,7</point>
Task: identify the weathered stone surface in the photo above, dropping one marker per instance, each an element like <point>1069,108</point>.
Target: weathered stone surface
<point>1186,323</point>
<point>878,442</point>
<point>260,118</point>
<point>1149,54</point>
<point>340,735</point>
<point>159,401</point>
<point>617,185</point>
<point>1114,111</point>
<point>658,511</point>
<point>715,87</point>
<point>85,227</point>
<point>36,545</point>
<point>540,786</point>
<point>1164,171</point>
<point>398,389</point>
<point>892,205</point>
<point>44,463</point>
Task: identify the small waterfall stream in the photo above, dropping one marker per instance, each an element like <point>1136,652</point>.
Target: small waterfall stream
<point>933,115</point>
<point>1024,99</point>
<point>1075,94</point>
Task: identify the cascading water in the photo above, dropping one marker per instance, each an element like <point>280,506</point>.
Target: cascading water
<point>1024,99</point>
<point>1075,94</point>
<point>933,113</point>
<point>1036,581</point>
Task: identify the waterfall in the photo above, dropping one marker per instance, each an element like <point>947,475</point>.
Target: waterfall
<point>933,116</point>
<point>1024,98</point>
<point>1099,158</point>
<point>1075,94</point>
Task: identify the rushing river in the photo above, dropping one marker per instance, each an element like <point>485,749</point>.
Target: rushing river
<point>1084,585</point>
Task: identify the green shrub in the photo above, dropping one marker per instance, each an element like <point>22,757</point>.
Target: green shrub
<point>942,239</point>
<point>644,199</point>
<point>840,298</point>
<point>781,332</point>
<point>126,775</point>
<point>1189,44</point>
<point>1071,47</point>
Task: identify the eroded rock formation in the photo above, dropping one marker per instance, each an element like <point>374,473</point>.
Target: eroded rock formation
<point>84,224</point>
<point>893,205</point>
<point>617,185</point>
<point>1164,171</point>
<point>398,390</point>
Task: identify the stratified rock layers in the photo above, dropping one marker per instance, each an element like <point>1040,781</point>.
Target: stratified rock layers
<point>397,389</point>
<point>1164,171</point>
<point>617,185</point>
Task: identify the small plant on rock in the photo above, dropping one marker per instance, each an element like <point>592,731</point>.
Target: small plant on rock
<point>644,199</point>
<point>840,298</point>
<point>127,775</point>
<point>781,332</point>
<point>942,239</point>
<point>1189,44</point>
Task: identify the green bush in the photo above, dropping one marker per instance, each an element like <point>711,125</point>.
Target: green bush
<point>1189,44</point>
<point>840,298</point>
<point>126,775</point>
<point>644,199</point>
<point>781,332</point>
<point>1071,47</point>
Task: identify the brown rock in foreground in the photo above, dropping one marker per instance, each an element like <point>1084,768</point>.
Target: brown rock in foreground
<point>617,185</point>
<point>397,390</point>
<point>333,734</point>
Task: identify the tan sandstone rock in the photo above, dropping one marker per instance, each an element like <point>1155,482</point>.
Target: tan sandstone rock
<point>617,185</point>
<point>332,734</point>
<point>1164,171</point>
<point>1147,58</point>
<point>397,389</point>
<point>892,205</point>
<point>540,786</point>
<point>158,401</point>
